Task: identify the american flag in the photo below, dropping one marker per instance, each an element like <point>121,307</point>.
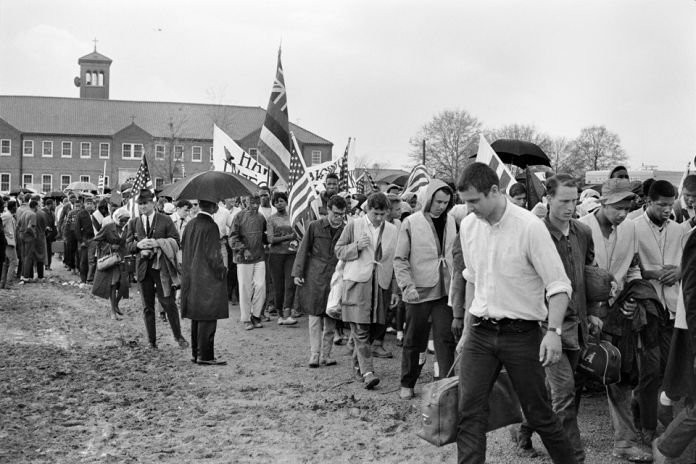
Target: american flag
<point>302,192</point>
<point>343,182</point>
<point>100,184</point>
<point>487,155</point>
<point>417,180</point>
<point>142,181</point>
<point>372,184</point>
<point>360,184</point>
<point>274,141</point>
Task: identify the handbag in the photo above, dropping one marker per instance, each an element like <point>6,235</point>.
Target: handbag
<point>601,361</point>
<point>108,261</point>
<point>440,408</point>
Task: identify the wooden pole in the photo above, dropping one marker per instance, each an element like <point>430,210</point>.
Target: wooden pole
<point>423,152</point>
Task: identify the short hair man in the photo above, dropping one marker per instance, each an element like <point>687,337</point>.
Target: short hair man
<point>518,195</point>
<point>684,208</point>
<point>619,172</point>
<point>512,269</point>
<point>148,233</point>
<point>9,267</point>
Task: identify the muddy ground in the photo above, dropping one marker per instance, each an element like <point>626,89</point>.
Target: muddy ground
<point>77,387</point>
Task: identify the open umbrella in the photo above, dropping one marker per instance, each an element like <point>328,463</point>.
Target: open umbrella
<point>56,195</point>
<point>167,189</point>
<point>81,186</point>
<point>520,153</point>
<point>212,186</point>
<point>22,190</point>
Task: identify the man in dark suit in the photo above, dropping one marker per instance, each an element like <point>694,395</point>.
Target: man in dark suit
<point>84,233</point>
<point>144,237</point>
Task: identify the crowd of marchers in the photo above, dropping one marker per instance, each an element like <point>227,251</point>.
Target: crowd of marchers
<point>468,267</point>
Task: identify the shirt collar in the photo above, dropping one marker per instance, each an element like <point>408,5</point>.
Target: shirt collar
<point>207,214</point>
<point>556,233</point>
<point>652,224</point>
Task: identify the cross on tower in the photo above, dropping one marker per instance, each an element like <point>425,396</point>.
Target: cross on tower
<point>95,44</point>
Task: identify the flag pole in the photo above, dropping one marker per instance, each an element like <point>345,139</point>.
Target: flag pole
<point>104,178</point>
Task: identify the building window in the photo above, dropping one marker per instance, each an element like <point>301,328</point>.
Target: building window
<point>178,153</point>
<point>159,182</point>
<point>47,149</point>
<point>316,157</point>
<point>27,180</point>
<point>46,183</point>
<point>160,150</point>
<point>211,154</point>
<point>28,148</point>
<point>85,149</point>
<point>254,153</point>
<point>84,178</point>
<point>5,147</point>
<point>197,154</point>
<point>104,150</point>
<point>4,182</point>
<point>132,151</point>
<point>66,150</point>
<point>65,181</point>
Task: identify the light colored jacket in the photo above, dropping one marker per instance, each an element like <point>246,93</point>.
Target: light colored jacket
<point>359,264</point>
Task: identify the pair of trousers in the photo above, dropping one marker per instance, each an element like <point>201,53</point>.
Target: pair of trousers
<point>280,268</point>
<point>9,267</point>
<point>252,289</point>
<point>150,286</point>
<point>362,351</point>
<point>49,252</point>
<point>87,254</point>
<point>321,332</point>
<point>486,350</point>
<point>680,433</point>
<point>203,340</point>
<point>270,295</point>
<point>231,275</point>
<point>560,379</point>
<point>419,318</point>
<point>70,252</point>
<point>28,259</point>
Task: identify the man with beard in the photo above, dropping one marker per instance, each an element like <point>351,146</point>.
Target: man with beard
<point>203,285</point>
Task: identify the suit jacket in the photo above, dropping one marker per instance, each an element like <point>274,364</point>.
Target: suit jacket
<point>83,226</point>
<point>162,227</point>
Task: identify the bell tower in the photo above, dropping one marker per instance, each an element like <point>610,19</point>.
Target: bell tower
<point>94,75</point>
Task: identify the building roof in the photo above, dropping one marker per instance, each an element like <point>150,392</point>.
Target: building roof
<point>92,117</point>
<point>94,56</point>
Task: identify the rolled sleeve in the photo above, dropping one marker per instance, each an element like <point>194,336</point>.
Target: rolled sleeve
<point>559,286</point>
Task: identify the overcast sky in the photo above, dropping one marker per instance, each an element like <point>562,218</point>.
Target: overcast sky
<point>379,70</point>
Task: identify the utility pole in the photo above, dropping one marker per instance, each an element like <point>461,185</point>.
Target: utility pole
<point>423,152</point>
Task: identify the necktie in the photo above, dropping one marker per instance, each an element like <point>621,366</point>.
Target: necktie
<point>147,230</point>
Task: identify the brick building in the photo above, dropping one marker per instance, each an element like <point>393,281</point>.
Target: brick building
<point>48,142</point>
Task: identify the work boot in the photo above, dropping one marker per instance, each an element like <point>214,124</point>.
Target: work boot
<point>370,381</point>
<point>314,360</point>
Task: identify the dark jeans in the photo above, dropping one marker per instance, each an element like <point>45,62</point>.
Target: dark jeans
<point>150,286</point>
<point>28,261</point>
<point>203,340</point>
<point>486,350</point>
<point>70,252</point>
<point>419,318</point>
<point>280,267</point>
<point>270,294</point>
<point>49,252</point>
<point>83,260</point>
<point>679,434</point>
<point>400,316</point>
<point>561,382</point>
<point>649,381</point>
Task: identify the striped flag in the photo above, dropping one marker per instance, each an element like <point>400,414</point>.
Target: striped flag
<point>274,141</point>
<point>142,181</point>
<point>417,181</point>
<point>369,182</point>
<point>343,175</point>
<point>302,193</point>
<point>100,183</point>
<point>360,184</point>
<point>487,155</point>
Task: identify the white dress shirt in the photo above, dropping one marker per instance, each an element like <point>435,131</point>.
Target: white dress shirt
<point>513,265</point>
<point>144,218</point>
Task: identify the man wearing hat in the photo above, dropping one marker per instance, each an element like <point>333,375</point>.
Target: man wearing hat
<point>144,239</point>
<point>615,251</point>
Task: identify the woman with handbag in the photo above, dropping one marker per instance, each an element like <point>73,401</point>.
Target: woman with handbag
<point>111,279</point>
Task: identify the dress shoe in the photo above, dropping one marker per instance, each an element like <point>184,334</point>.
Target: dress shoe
<point>256,322</point>
<point>632,454</point>
<point>327,361</point>
<point>314,360</point>
<point>658,457</point>
<point>182,343</point>
<point>378,351</point>
<point>523,443</point>
<point>370,381</point>
<point>406,393</point>
<point>212,362</point>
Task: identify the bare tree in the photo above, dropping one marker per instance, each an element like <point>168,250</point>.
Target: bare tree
<point>560,150</point>
<point>450,141</point>
<point>170,167</point>
<point>594,149</point>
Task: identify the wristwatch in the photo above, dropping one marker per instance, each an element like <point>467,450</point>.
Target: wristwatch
<point>555,329</point>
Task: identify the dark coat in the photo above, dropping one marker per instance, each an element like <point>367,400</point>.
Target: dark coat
<point>315,262</point>
<point>84,229</point>
<point>110,239</point>
<point>204,275</point>
<point>162,227</point>
<point>42,224</point>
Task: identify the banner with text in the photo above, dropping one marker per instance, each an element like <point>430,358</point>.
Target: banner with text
<point>228,156</point>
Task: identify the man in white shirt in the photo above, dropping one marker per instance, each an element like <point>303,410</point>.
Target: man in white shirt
<point>616,251</point>
<point>512,267</point>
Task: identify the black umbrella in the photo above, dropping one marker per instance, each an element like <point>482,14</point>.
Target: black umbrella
<point>22,190</point>
<point>56,195</point>
<point>212,186</point>
<point>520,153</point>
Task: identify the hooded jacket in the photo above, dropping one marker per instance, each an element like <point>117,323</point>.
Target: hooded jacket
<point>421,260</point>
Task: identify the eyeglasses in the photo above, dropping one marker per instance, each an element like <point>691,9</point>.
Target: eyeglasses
<point>194,204</point>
